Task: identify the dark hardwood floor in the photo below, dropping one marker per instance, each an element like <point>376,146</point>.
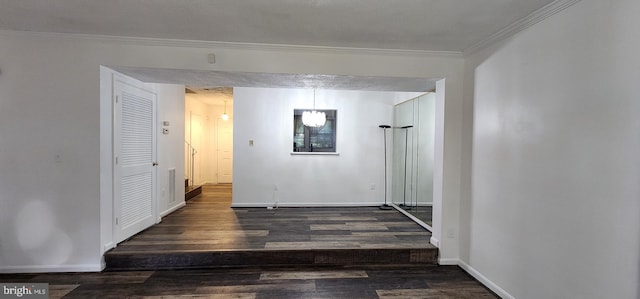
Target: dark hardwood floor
<point>345,246</point>
<point>437,282</point>
<point>209,223</point>
<point>209,233</point>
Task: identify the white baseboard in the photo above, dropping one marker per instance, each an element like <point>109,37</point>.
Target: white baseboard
<point>306,205</point>
<point>435,242</point>
<point>51,268</point>
<point>448,262</point>
<point>413,218</point>
<point>173,209</point>
<point>485,281</point>
<point>107,246</point>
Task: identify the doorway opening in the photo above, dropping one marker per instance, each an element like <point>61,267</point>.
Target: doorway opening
<point>208,153</point>
<point>195,121</point>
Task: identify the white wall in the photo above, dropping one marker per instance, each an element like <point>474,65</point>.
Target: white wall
<point>265,115</point>
<point>50,107</point>
<point>554,201</point>
<point>171,107</point>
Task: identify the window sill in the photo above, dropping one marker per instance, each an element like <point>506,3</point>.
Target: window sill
<point>315,154</point>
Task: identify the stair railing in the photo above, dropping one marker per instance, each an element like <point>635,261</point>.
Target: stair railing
<point>190,163</point>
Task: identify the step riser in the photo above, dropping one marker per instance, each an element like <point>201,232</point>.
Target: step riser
<point>332,257</point>
<point>189,194</point>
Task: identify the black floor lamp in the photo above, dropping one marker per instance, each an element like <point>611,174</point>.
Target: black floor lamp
<point>385,206</point>
<point>404,205</point>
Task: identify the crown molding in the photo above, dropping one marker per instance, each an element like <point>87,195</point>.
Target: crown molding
<point>160,42</point>
<point>522,24</point>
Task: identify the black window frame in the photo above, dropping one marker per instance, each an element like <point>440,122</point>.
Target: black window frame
<point>318,140</point>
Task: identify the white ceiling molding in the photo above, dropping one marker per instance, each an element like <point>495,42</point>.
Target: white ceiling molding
<point>159,42</point>
<point>522,24</point>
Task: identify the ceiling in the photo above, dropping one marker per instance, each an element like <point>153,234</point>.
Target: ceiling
<point>431,25</point>
<point>421,25</point>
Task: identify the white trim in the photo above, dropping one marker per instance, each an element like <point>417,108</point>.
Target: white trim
<point>448,262</point>
<point>306,205</point>
<point>434,241</point>
<point>51,268</point>
<point>477,275</point>
<point>108,246</point>
<point>536,17</point>
<point>160,42</point>
<point>173,209</point>
<point>315,154</point>
<point>485,281</point>
<point>106,155</point>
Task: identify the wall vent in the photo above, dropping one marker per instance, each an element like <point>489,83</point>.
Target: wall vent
<point>172,184</point>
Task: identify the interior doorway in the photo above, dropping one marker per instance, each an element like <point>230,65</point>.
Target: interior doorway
<point>283,80</point>
<point>209,136</point>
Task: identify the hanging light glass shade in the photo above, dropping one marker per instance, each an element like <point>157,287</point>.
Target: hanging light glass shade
<point>225,116</point>
<point>314,118</point>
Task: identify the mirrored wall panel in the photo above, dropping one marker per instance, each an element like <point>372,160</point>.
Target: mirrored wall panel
<point>413,156</point>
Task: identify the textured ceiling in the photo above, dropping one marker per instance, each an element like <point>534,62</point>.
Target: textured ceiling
<point>434,25</point>
<point>212,87</point>
<point>199,80</point>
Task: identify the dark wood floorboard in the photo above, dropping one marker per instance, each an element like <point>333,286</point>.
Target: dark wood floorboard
<point>441,282</point>
<point>208,223</point>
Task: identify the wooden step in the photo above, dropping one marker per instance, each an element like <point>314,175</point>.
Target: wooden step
<point>192,191</point>
<point>117,261</point>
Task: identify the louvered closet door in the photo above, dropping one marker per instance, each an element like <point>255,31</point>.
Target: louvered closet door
<point>135,156</point>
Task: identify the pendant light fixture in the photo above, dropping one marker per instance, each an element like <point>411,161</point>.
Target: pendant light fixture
<point>225,116</point>
<point>314,118</point>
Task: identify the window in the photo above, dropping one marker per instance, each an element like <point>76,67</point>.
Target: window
<point>310,139</point>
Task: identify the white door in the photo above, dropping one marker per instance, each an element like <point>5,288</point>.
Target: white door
<point>198,141</point>
<point>225,151</point>
<point>135,205</point>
